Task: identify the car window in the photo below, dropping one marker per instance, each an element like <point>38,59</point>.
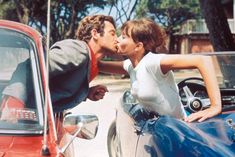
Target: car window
<point>224,65</point>
<point>18,107</point>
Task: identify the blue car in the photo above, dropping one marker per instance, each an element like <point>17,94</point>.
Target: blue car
<point>137,132</point>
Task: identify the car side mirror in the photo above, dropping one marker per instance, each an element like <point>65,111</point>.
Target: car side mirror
<point>82,126</point>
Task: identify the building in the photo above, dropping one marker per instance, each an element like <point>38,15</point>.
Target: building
<point>194,36</point>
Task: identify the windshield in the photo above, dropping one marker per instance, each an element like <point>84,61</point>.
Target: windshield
<point>18,106</point>
<point>224,65</point>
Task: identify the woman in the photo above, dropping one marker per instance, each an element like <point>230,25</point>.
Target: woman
<point>152,81</point>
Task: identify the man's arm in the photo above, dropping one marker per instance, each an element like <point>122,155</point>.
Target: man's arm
<point>67,55</point>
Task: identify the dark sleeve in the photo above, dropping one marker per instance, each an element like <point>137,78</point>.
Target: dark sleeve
<point>20,84</point>
<point>67,55</point>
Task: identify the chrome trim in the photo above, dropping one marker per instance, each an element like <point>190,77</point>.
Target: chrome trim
<point>37,84</point>
<point>20,132</point>
<point>214,53</point>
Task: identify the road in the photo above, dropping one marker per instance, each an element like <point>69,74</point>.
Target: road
<point>105,110</point>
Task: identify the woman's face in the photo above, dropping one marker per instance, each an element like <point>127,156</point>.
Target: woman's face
<point>126,45</point>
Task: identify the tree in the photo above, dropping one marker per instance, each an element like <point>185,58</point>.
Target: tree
<point>7,10</point>
<point>65,14</point>
<point>220,35</point>
<point>122,10</point>
<point>170,14</point>
<point>24,11</point>
<point>217,24</point>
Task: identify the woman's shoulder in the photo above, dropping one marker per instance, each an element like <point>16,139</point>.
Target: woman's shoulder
<point>127,65</point>
<point>156,54</point>
<point>153,57</point>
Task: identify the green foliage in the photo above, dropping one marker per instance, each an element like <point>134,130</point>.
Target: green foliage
<point>65,14</point>
<point>169,13</point>
<point>7,10</point>
<point>142,9</point>
<point>122,10</point>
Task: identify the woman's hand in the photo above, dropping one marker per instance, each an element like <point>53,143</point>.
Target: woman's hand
<point>205,114</point>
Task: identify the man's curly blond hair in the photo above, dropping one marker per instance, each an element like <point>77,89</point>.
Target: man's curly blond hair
<point>92,22</point>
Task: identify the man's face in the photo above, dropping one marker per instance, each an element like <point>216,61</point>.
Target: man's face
<point>108,42</point>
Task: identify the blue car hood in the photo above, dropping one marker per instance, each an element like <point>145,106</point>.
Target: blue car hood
<point>172,137</point>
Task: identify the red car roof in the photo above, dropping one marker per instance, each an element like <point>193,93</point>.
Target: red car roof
<point>20,27</point>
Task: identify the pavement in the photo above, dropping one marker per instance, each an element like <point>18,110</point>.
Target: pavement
<point>105,110</point>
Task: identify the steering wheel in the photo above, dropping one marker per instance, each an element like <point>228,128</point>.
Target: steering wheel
<point>193,94</point>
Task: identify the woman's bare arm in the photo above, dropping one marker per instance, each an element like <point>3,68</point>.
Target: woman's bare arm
<point>205,66</point>
<point>111,67</point>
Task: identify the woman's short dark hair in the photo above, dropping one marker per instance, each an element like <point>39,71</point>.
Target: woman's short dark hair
<point>146,31</point>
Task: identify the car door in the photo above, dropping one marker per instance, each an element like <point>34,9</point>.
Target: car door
<point>131,120</point>
<point>126,132</point>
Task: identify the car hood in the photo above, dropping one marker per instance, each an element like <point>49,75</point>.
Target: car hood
<point>20,146</point>
<point>214,137</point>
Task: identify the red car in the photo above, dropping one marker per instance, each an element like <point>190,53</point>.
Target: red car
<point>34,130</point>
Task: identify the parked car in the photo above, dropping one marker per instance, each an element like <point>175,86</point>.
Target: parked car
<point>33,131</point>
<point>137,132</point>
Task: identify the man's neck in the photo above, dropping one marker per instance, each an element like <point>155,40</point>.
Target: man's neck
<point>96,50</point>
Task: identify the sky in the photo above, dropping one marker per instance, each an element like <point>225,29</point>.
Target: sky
<point>127,5</point>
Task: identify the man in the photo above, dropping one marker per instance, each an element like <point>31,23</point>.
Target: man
<point>72,65</point>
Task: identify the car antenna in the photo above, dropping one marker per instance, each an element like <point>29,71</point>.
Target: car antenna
<point>45,150</point>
